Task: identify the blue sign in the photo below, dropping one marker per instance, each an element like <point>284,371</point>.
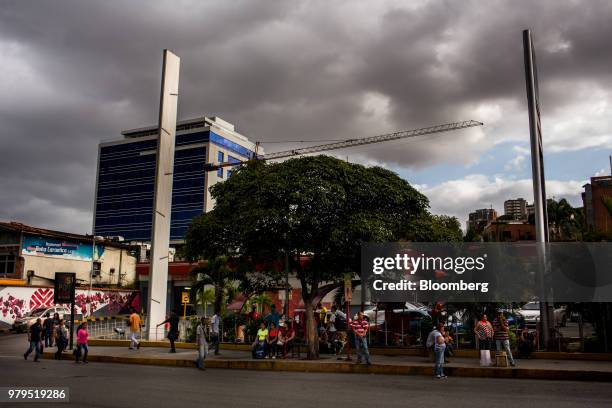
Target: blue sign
<point>58,248</point>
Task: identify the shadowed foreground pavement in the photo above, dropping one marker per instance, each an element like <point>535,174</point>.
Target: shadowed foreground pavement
<point>119,385</point>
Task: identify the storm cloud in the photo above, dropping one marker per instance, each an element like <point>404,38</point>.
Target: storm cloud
<point>76,73</point>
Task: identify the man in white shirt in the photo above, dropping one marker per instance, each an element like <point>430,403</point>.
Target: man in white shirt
<point>215,321</point>
<point>201,343</point>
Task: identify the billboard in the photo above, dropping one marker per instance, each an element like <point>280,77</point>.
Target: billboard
<point>59,248</point>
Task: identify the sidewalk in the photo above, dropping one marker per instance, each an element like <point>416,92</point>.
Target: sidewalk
<point>392,365</point>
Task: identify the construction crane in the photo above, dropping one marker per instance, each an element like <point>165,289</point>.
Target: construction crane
<point>351,143</point>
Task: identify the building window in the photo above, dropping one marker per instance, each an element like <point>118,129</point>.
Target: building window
<point>97,269</point>
<point>7,265</point>
<point>220,157</point>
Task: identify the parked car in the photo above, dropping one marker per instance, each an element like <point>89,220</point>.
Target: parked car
<point>531,313</point>
<point>23,323</point>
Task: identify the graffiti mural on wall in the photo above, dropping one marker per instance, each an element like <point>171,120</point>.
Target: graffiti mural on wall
<point>15,302</point>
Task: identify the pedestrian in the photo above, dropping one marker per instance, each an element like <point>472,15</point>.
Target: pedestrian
<point>501,336</point>
<point>61,339</point>
<point>134,329</point>
<point>56,322</point>
<point>484,334</point>
<point>448,339</point>
<point>331,324</point>
<point>202,344</point>
<point>173,332</point>
<point>48,330</point>
<point>272,341</point>
<point>82,343</point>
<point>34,338</point>
<point>215,321</point>
<point>526,343</point>
<point>432,337</point>
<point>360,328</point>
<point>254,316</point>
<point>288,334</point>
<point>273,317</point>
<point>260,339</point>
<point>439,348</point>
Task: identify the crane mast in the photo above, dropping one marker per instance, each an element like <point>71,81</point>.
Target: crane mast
<point>354,142</point>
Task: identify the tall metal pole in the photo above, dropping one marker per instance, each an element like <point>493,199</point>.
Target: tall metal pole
<point>537,168</point>
<point>162,205</point>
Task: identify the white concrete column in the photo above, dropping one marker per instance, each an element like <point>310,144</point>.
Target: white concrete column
<point>162,205</point>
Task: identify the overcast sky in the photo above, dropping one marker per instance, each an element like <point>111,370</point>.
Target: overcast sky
<point>75,73</point>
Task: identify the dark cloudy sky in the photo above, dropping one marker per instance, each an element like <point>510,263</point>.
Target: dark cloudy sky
<point>75,73</point>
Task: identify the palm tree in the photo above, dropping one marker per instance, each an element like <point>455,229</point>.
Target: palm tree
<point>205,297</point>
<point>218,273</point>
<point>261,301</point>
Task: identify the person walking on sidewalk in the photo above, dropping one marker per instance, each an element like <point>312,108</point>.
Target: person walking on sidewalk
<point>134,330</point>
<point>201,343</point>
<point>61,339</point>
<point>82,343</point>
<point>173,332</point>
<point>360,328</point>
<point>34,338</point>
<point>439,349</point>
<point>215,321</point>
<point>501,336</point>
<point>484,334</point>
<point>48,330</point>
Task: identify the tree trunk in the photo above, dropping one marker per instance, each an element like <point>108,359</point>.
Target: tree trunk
<point>219,292</point>
<point>312,335</point>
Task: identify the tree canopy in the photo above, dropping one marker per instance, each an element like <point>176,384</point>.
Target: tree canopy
<point>319,206</point>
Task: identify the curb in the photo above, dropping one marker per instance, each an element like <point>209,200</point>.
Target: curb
<point>547,355</point>
<point>352,368</point>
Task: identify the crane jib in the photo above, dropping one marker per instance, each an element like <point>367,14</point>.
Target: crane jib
<point>355,142</point>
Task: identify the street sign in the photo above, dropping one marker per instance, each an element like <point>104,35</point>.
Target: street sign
<point>64,287</point>
<point>185,298</point>
<point>64,291</point>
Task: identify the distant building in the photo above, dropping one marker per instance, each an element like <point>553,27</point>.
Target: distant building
<point>478,219</point>
<point>515,209</point>
<point>530,210</point>
<point>597,216</point>
<point>126,176</point>
<point>31,256</point>
<point>509,231</point>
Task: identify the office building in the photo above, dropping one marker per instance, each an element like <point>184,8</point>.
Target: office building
<point>478,219</point>
<point>597,198</point>
<point>126,176</point>
<point>515,209</point>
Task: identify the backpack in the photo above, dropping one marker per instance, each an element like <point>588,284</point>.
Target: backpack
<point>259,352</point>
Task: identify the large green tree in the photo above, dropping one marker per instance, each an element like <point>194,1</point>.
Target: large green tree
<point>316,206</point>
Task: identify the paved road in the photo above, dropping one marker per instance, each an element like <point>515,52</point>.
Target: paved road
<point>117,385</point>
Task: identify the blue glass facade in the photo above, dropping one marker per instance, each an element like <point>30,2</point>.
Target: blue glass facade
<point>126,179</point>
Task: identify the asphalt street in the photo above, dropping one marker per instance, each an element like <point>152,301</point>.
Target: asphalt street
<point>118,385</point>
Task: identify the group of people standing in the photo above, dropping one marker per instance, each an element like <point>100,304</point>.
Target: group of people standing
<point>487,333</point>
<point>441,344</point>
<point>53,331</point>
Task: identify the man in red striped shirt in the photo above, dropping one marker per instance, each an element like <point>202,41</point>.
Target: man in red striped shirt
<point>360,328</point>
